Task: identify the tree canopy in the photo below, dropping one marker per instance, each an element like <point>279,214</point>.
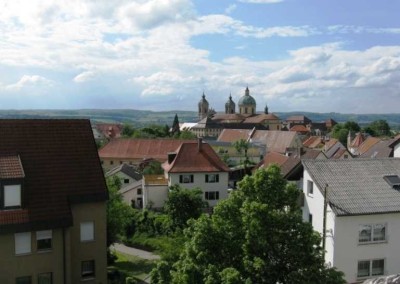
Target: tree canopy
<point>340,131</point>
<point>257,235</point>
<point>183,204</point>
<point>380,127</point>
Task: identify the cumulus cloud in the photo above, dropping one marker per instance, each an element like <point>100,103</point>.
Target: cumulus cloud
<point>84,77</point>
<point>230,8</point>
<point>30,81</point>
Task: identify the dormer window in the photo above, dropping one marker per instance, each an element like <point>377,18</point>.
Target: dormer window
<point>11,196</point>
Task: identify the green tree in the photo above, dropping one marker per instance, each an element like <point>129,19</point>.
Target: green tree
<point>341,131</point>
<point>186,134</point>
<point>119,214</point>
<point>153,168</point>
<point>242,146</point>
<point>127,130</point>
<point>380,127</point>
<point>184,204</point>
<point>175,129</point>
<point>257,235</point>
<point>352,126</point>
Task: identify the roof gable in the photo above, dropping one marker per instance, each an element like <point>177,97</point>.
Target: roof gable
<point>195,157</point>
<point>356,186</point>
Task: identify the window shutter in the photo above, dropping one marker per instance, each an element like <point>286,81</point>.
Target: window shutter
<point>191,178</point>
<point>206,177</point>
<point>22,243</point>
<point>87,231</point>
<point>12,195</point>
<point>43,235</point>
<point>180,178</point>
<point>217,177</point>
<point>217,193</point>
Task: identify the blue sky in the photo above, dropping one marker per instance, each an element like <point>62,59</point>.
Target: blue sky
<point>316,55</point>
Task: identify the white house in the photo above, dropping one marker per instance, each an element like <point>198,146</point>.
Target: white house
<point>195,164</point>
<point>362,224</point>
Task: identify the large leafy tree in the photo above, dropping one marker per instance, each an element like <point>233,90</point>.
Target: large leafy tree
<point>380,127</point>
<point>183,204</point>
<point>119,214</point>
<point>257,235</point>
<point>340,131</point>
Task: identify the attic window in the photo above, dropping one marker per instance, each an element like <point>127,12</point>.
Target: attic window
<point>393,181</point>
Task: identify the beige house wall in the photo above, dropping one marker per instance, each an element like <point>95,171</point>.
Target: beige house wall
<point>31,264</point>
<point>92,250</point>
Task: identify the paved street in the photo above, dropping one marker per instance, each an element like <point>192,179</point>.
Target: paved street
<point>136,252</point>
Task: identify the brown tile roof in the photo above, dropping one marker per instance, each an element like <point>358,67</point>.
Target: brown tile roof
<point>339,153</point>
<point>300,128</point>
<point>298,118</point>
<point>130,148</point>
<point>313,142</point>
<point>261,118</point>
<point>232,135</point>
<point>110,130</point>
<point>310,154</point>
<point>287,164</point>
<point>330,143</point>
<point>367,144</point>
<point>189,159</point>
<point>61,165</point>
<point>275,140</point>
<point>11,167</point>
<point>330,123</point>
<point>227,117</point>
<point>358,140</point>
<point>381,149</point>
<point>11,217</point>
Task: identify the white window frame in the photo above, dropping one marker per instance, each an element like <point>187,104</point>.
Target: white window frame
<point>370,268</point>
<point>23,243</point>
<point>310,187</point>
<point>87,231</point>
<point>12,196</point>
<point>211,195</point>
<point>88,274</point>
<point>212,178</point>
<point>44,235</point>
<point>372,235</point>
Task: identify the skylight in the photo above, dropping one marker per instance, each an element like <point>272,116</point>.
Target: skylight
<point>393,181</point>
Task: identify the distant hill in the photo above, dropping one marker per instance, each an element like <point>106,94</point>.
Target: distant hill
<point>145,117</point>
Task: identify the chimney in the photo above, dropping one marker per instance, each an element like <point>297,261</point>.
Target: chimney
<point>199,142</point>
<point>171,157</point>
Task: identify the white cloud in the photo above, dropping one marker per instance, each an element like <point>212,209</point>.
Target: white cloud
<point>30,81</point>
<point>261,1</point>
<point>230,8</point>
<point>84,77</point>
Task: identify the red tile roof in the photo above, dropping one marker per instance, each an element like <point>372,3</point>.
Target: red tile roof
<point>330,143</point>
<point>358,140</point>
<point>275,140</point>
<point>300,128</point>
<point>193,157</point>
<point>261,118</point>
<point>110,130</point>
<point>313,142</point>
<point>130,148</point>
<point>286,163</point>
<point>11,167</point>
<point>367,144</point>
<point>61,165</point>
<point>11,217</point>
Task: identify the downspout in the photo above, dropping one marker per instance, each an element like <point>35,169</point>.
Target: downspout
<point>324,222</point>
<point>64,260</point>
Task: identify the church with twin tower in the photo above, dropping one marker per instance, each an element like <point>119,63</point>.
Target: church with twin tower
<point>247,117</point>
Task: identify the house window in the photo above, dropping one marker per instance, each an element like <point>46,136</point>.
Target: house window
<point>23,280</point>
<point>186,178</point>
<point>212,178</point>
<point>126,180</point>
<point>372,233</point>
<point>367,268</point>
<point>12,196</point>
<point>87,231</point>
<point>45,278</point>
<point>310,187</point>
<point>22,243</point>
<point>44,240</point>
<point>111,162</point>
<point>310,218</point>
<point>87,267</point>
<point>211,195</point>
<point>120,162</point>
<point>139,191</point>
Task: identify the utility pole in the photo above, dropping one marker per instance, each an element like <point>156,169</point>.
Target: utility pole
<point>324,221</point>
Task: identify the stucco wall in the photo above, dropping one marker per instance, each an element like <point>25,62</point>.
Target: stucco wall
<point>32,264</point>
<point>199,181</point>
<point>154,195</point>
<point>396,153</point>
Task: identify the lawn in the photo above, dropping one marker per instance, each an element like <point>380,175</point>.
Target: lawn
<point>132,266</point>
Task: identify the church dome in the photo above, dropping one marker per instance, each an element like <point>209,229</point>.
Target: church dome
<point>247,100</point>
<point>230,102</point>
